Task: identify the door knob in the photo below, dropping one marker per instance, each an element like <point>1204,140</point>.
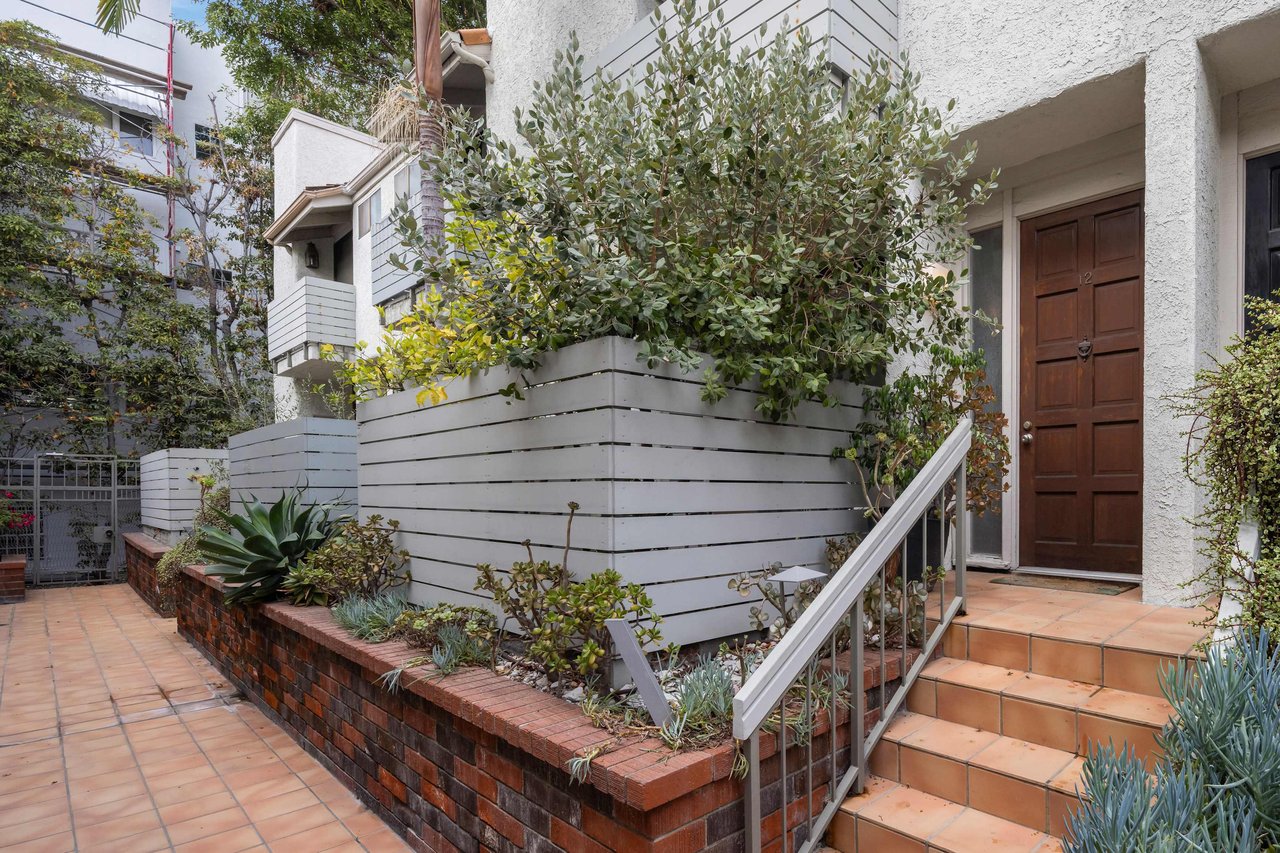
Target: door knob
<point>1026,438</point>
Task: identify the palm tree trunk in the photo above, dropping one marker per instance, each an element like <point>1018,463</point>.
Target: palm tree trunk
<point>426,61</point>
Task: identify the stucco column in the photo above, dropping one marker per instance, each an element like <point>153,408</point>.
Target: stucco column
<point>1180,301</point>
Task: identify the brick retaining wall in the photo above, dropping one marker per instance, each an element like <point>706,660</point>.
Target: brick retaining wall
<point>13,578</point>
<point>475,761</point>
<point>141,553</point>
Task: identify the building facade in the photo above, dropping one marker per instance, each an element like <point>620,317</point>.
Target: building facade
<point>1136,208</point>
<point>1136,144</point>
<point>148,69</point>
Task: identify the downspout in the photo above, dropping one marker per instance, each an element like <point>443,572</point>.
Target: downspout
<point>169,155</point>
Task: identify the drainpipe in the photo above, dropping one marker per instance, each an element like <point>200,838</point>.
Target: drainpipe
<point>169,155</point>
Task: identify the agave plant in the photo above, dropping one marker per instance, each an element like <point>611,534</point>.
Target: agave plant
<point>264,544</point>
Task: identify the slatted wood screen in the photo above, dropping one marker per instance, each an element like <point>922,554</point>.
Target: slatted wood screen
<point>674,494</point>
<point>316,453</point>
<point>169,498</point>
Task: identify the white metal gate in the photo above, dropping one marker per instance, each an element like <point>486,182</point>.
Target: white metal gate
<point>81,506</point>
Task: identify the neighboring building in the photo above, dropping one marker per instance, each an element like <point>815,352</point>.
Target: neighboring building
<point>1138,146</point>
<point>141,65</point>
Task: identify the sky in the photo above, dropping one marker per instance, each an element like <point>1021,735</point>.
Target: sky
<point>188,10</point>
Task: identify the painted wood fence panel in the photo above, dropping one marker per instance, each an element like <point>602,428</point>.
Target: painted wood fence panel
<point>851,30</point>
<point>674,493</point>
<point>318,454</point>
<point>169,499</point>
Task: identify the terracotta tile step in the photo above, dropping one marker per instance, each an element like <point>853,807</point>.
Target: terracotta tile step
<point>1026,783</point>
<point>1112,654</point>
<point>1054,712</point>
<point>889,816</point>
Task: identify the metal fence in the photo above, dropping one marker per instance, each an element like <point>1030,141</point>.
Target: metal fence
<point>80,508</point>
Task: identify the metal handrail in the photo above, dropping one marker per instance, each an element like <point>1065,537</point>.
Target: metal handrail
<point>841,603</point>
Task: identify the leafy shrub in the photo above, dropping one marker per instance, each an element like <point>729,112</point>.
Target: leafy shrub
<point>214,503</point>
<point>564,619</point>
<point>372,618</point>
<point>730,202</point>
<point>255,557</point>
<point>1234,454</point>
<point>1217,787</point>
<point>360,559</point>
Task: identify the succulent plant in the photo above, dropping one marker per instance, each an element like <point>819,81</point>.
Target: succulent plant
<point>264,544</point>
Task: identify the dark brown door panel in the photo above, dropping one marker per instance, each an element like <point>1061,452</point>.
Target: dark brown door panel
<point>1081,394</point>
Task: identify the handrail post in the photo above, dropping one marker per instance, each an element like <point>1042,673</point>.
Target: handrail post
<point>962,530</point>
<point>858,733</point>
<point>752,799</point>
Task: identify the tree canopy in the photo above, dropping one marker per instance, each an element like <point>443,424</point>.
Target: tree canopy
<point>328,57</point>
<point>96,347</point>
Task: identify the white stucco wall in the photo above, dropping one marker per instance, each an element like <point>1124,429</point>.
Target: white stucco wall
<point>526,35</point>
<point>1077,101</point>
<point>996,58</point>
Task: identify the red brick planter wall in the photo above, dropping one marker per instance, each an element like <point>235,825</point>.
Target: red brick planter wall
<point>141,553</point>
<point>13,578</point>
<point>475,761</point>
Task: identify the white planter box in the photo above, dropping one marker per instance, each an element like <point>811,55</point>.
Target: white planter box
<point>318,454</point>
<point>169,498</point>
<point>673,493</point>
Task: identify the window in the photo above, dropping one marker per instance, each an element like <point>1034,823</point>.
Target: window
<point>986,294</point>
<point>136,132</point>
<point>205,142</point>
<point>402,183</point>
<point>1262,228</point>
<point>189,274</point>
<point>362,218</point>
<point>368,213</point>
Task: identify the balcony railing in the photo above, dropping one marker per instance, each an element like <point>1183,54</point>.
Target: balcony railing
<point>315,312</point>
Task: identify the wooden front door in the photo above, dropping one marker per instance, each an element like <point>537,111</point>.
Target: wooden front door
<point>1081,387</point>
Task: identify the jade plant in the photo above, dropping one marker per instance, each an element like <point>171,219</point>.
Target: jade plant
<point>360,560</point>
<point>264,544</point>
<point>563,618</point>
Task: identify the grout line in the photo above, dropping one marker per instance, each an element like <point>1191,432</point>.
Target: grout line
<point>93,651</point>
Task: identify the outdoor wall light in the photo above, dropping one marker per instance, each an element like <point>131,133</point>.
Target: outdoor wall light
<point>312,256</point>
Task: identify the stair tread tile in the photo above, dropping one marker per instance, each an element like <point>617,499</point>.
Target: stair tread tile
<point>951,740</point>
<point>1023,760</point>
<point>908,811</point>
<point>937,666</point>
<point>1080,631</point>
<point>1157,639</point>
<point>1124,705</point>
<point>876,787</point>
<point>975,830</point>
<point>981,676</point>
<point>904,723</point>
<point>1129,707</point>
<point>1047,690</point>
<point>1004,620</point>
<point>1070,779</point>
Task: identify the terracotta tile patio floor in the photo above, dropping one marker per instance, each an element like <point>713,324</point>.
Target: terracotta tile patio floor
<point>115,734</point>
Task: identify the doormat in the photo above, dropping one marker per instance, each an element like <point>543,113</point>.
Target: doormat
<point>1067,584</point>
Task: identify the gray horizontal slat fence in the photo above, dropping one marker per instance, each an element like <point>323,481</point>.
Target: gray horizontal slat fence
<point>855,31</point>
<point>674,493</point>
<point>169,499</point>
<point>316,453</point>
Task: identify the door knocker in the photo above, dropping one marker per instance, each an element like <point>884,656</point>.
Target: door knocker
<point>1084,348</point>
